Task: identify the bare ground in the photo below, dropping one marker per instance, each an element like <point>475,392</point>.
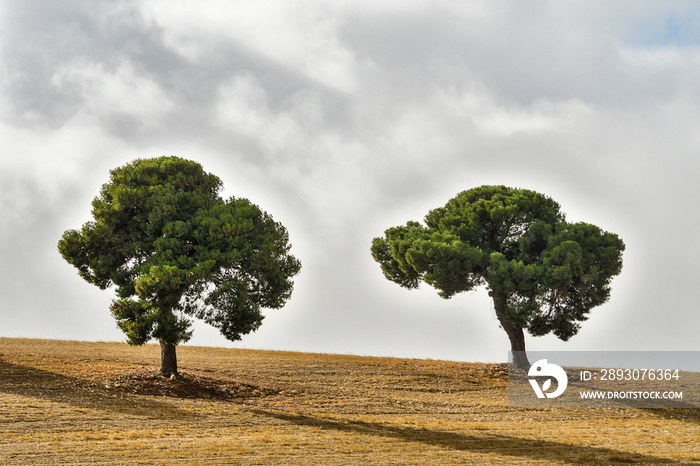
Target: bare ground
<point>65,402</point>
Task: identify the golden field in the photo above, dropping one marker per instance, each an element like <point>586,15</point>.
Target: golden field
<point>67,402</point>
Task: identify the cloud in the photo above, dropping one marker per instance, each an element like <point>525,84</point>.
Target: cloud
<point>478,104</point>
<point>298,35</point>
<point>345,118</point>
<point>243,108</point>
<point>116,94</point>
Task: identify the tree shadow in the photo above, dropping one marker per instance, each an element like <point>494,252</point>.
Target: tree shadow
<point>37,383</point>
<point>520,395</point>
<point>690,415</point>
<point>501,444</point>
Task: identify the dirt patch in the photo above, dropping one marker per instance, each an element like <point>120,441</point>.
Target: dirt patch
<point>103,403</point>
<point>187,386</point>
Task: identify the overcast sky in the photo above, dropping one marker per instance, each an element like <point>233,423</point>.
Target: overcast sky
<point>344,118</point>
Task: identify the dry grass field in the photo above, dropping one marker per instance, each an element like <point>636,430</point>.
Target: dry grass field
<point>64,402</point>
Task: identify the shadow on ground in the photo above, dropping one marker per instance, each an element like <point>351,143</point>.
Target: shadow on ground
<point>36,383</point>
<point>501,444</point>
<point>691,415</point>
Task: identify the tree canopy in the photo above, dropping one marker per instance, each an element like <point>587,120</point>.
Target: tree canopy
<point>543,274</point>
<point>175,250</point>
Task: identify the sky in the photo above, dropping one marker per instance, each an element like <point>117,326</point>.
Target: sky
<point>344,118</point>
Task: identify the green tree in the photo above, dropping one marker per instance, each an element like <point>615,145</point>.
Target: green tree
<point>175,250</point>
<point>543,274</point>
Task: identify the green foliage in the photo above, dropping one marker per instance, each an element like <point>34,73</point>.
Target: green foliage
<point>543,273</point>
<point>174,249</point>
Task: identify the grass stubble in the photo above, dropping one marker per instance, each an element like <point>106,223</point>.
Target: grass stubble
<point>67,402</point>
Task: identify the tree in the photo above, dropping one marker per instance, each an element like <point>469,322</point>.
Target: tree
<point>543,274</point>
<point>175,250</point>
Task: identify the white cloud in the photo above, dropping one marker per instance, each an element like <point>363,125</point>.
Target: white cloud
<point>345,118</point>
<point>120,92</point>
<point>243,108</point>
<point>296,34</point>
<point>39,166</point>
<point>479,104</point>
<point>667,57</point>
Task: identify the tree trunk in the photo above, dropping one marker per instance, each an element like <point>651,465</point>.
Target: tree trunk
<point>517,345</point>
<point>516,337</point>
<point>168,360</point>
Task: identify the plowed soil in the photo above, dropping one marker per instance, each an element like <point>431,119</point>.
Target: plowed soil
<point>64,402</point>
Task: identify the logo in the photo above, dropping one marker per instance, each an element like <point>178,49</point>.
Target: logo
<point>543,369</point>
